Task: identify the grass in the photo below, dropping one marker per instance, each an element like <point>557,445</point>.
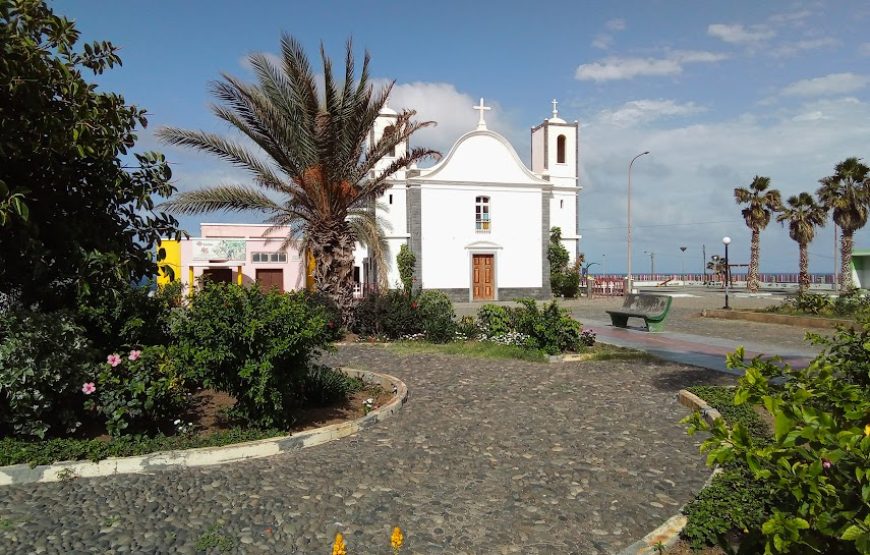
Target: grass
<point>486,349</point>
<point>214,538</point>
<point>17,451</point>
<point>721,398</point>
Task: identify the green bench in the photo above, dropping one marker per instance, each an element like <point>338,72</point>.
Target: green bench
<point>652,308</point>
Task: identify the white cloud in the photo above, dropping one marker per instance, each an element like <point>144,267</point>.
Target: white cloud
<point>616,67</point>
<point>739,34</point>
<point>602,41</point>
<point>615,25</point>
<point>793,48</point>
<point>833,84</point>
<point>795,18</point>
<point>639,112</point>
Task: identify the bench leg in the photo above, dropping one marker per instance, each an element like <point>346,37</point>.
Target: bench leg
<point>619,321</point>
<point>655,326</point>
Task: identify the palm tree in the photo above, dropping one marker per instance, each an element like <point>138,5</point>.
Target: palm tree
<point>760,204</point>
<point>803,215</point>
<point>847,194</point>
<point>312,168</point>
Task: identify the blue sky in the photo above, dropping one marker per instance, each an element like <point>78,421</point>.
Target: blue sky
<point>719,92</point>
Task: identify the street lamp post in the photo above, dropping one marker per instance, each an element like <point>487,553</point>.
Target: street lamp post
<point>726,241</point>
<point>652,263</point>
<point>683,264</point>
<point>628,277</point>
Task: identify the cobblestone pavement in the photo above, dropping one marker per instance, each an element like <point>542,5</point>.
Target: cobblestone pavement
<point>488,456</point>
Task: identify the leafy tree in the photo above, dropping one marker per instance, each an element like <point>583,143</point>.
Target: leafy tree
<point>847,195</point>
<point>558,256</point>
<point>803,215</point>
<point>759,205</point>
<point>74,217</point>
<point>312,154</point>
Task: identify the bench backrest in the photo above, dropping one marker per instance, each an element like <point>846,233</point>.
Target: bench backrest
<point>653,305</point>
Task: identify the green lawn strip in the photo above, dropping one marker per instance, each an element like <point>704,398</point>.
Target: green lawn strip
<point>16,451</point>
<point>483,349</point>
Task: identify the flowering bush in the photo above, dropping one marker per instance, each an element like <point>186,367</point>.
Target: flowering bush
<point>510,338</point>
<point>588,338</point>
<point>494,320</point>
<point>436,316</point>
<point>391,314</point>
<point>137,391</point>
<point>819,457</point>
<point>43,364</point>
<point>397,540</point>
<point>550,329</point>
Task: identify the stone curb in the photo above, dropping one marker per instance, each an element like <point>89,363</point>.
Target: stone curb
<point>572,357</point>
<point>207,456</point>
<point>669,532</point>
<point>771,318</point>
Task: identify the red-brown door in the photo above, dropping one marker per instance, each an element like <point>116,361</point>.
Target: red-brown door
<point>270,278</point>
<point>218,275</point>
<point>482,277</point>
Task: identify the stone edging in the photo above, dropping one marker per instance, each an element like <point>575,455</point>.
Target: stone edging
<point>773,318</point>
<point>669,532</point>
<point>571,357</point>
<point>206,456</point>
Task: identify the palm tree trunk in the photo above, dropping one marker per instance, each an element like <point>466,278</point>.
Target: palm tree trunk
<point>804,278</point>
<point>332,249</point>
<point>846,259</point>
<point>752,279</point>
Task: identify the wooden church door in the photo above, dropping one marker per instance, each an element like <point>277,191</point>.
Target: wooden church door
<point>482,277</point>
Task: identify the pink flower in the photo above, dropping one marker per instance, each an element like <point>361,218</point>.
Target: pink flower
<point>113,360</point>
<point>826,464</point>
<point>88,388</point>
<point>134,355</point>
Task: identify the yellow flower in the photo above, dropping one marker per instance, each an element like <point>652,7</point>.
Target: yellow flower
<point>867,430</point>
<point>397,539</point>
<point>338,548</point>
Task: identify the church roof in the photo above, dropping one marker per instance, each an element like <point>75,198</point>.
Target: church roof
<point>482,156</point>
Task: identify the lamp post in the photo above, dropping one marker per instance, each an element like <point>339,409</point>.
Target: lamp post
<point>628,277</point>
<point>683,264</point>
<point>604,264</point>
<point>726,241</point>
<point>652,263</point>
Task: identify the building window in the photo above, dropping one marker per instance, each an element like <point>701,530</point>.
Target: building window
<point>482,222</point>
<point>561,204</point>
<point>560,149</point>
<point>391,199</point>
<point>389,130</point>
<point>269,257</point>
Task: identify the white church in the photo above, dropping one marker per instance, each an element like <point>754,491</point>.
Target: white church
<point>478,221</point>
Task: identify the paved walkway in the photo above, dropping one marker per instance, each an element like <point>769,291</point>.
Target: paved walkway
<point>488,456</point>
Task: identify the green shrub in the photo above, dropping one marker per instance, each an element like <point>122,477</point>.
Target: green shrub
<point>494,320</point>
<point>721,398</point>
<point>406,260</point>
<point>391,314</point>
<point>325,386</point>
<point>551,330</point>
<point>436,316</point>
<point>569,283</point>
<point>818,457</point>
<point>810,303</point>
<point>467,328</point>
<point>139,390</point>
<point>850,303</point>
<point>253,345</point>
<point>330,311</point>
<point>44,360</point>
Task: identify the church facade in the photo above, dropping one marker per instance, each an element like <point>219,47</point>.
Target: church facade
<point>478,221</point>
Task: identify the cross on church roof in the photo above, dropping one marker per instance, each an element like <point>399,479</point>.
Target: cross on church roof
<point>481,123</point>
<point>555,111</point>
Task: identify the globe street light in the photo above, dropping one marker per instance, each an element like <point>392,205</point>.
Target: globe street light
<point>726,241</point>
<point>628,278</point>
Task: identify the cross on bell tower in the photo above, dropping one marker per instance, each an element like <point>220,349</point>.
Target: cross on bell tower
<point>555,110</point>
<point>481,123</point>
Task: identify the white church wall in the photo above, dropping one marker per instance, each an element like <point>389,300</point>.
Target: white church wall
<point>538,150</point>
<point>464,163</point>
<point>563,214</point>
<point>393,208</point>
<point>448,228</point>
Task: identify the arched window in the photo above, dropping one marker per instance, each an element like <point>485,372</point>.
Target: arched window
<point>560,149</point>
<point>482,222</point>
<point>389,130</point>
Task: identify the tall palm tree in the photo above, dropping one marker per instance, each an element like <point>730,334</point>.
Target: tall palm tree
<point>312,168</point>
<point>803,215</point>
<point>847,195</point>
<point>759,205</point>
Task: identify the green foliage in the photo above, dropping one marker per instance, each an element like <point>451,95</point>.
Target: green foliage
<point>721,398</point>
<point>564,281</point>
<point>17,451</point>
<point>569,283</point>
<point>437,316</point>
<point>143,390</point>
<point>253,345</point>
<point>467,328</point>
<point>494,320</point>
<point>819,454</point>
<point>551,330</point>
<point>329,310</point>
<point>324,386</point>
<point>390,315</point>
<point>44,360</point>
<point>735,504</point>
<point>406,261</point>
<point>850,304</point>
<point>83,220</point>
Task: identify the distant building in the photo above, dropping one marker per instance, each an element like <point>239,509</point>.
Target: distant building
<point>236,253</point>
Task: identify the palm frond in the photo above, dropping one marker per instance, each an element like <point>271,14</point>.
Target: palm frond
<point>228,198</point>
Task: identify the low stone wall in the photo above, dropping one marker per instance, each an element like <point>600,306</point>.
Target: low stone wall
<point>669,532</point>
<point>206,456</point>
<point>773,318</point>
